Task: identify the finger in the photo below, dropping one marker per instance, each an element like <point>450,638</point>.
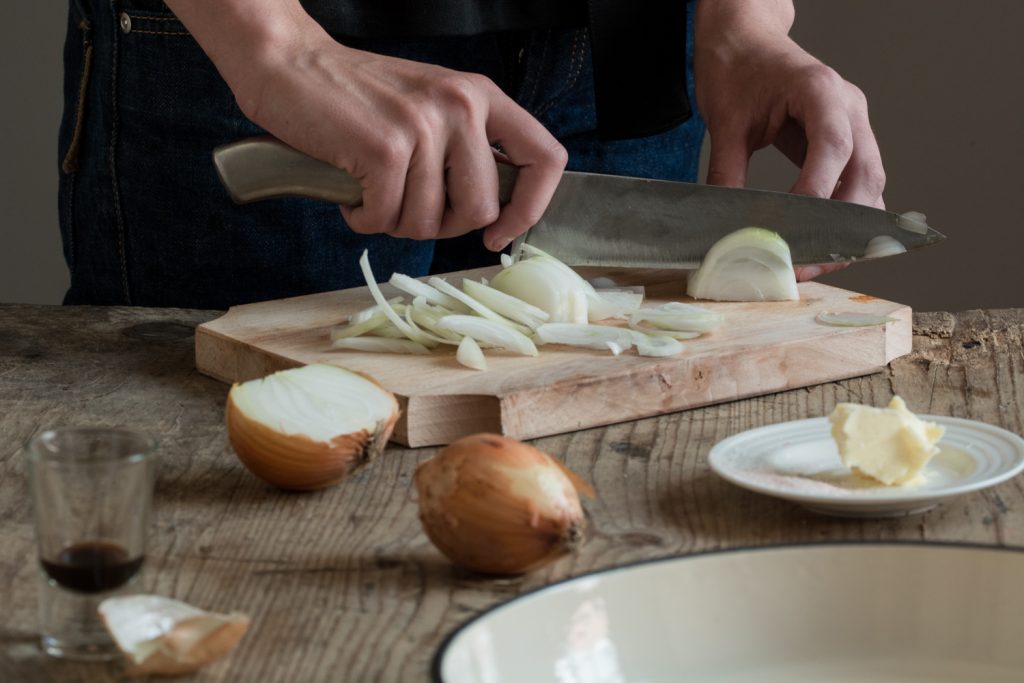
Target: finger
<point>730,154</point>
<point>382,201</point>
<point>804,273</point>
<point>472,182</point>
<point>863,179</point>
<point>541,160</point>
<point>829,147</point>
<point>423,199</point>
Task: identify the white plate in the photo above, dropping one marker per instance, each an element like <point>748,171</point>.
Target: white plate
<point>799,461</point>
<point>831,613</point>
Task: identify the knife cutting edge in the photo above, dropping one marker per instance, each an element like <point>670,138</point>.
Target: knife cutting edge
<point>605,220</point>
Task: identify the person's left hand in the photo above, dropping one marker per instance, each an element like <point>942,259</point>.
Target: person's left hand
<point>756,87</point>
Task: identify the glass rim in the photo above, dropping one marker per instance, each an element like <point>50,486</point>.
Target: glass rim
<point>38,448</point>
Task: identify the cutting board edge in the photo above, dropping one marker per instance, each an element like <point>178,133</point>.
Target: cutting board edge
<point>213,347</point>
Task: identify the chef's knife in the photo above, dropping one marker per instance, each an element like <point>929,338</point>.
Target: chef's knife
<point>606,220</point>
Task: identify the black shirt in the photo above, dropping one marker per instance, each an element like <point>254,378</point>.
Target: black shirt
<point>638,48</point>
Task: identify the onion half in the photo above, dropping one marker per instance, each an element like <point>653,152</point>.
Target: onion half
<point>309,427</point>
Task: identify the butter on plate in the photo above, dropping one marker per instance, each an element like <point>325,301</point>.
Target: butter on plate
<point>891,445</point>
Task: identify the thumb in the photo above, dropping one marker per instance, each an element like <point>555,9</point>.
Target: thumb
<point>729,158</point>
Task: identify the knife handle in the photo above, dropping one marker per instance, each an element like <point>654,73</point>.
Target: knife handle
<point>263,167</point>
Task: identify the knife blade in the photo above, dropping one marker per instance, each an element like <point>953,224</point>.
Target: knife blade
<point>605,220</point>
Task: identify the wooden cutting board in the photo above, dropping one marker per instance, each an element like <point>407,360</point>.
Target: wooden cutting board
<point>761,348</point>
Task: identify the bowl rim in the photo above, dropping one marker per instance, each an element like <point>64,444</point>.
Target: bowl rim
<point>445,645</point>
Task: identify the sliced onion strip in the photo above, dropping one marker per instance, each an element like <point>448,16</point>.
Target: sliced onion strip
<point>852,319</point>
<point>417,288</point>
<point>484,330</point>
<point>504,304</point>
<point>656,346</point>
<point>478,308</point>
<point>586,336</point>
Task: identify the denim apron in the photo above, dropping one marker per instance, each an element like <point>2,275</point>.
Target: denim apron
<point>144,220</point>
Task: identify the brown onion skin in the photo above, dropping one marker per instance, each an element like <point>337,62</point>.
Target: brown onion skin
<point>215,645</point>
<point>296,462</point>
<point>478,523</point>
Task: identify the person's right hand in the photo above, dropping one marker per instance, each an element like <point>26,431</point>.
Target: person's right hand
<point>418,137</point>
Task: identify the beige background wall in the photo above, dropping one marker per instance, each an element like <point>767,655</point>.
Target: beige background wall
<point>943,77</point>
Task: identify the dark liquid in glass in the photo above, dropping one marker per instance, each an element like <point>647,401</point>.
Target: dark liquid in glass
<point>92,567</point>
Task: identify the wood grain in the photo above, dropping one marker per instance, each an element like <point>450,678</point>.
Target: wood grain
<point>761,348</point>
<point>342,584</point>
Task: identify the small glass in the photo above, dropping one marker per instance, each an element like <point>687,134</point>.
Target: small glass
<point>91,495</point>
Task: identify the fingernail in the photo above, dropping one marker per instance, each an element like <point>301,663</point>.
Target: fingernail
<point>499,243</point>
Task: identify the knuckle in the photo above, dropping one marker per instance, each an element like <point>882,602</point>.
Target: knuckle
<point>389,150</point>
<point>461,94</point>
<point>557,154</point>
<point>857,96</point>
<point>480,214</point>
<point>837,139</point>
<point>823,79</point>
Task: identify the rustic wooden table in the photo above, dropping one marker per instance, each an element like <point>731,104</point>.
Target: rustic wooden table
<point>342,585</point>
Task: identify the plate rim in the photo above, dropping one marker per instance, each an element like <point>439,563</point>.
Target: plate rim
<point>860,501</point>
<point>443,647</point>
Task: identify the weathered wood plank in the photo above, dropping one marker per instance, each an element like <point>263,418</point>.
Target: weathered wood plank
<point>342,584</point>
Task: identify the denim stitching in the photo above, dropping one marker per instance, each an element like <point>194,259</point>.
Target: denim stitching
<point>575,70</point>
<point>161,33</point>
<point>147,18</point>
<point>555,98</point>
<point>528,102</point>
<point>118,215</point>
<point>149,32</point>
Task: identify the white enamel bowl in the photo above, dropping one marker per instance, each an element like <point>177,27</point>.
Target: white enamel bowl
<point>833,613</point>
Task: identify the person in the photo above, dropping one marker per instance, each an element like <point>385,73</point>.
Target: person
<point>413,99</point>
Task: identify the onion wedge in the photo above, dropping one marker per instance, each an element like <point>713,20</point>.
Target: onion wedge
<point>470,355</point>
<point>914,221</point>
<point>750,264</point>
<point>883,245</point>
